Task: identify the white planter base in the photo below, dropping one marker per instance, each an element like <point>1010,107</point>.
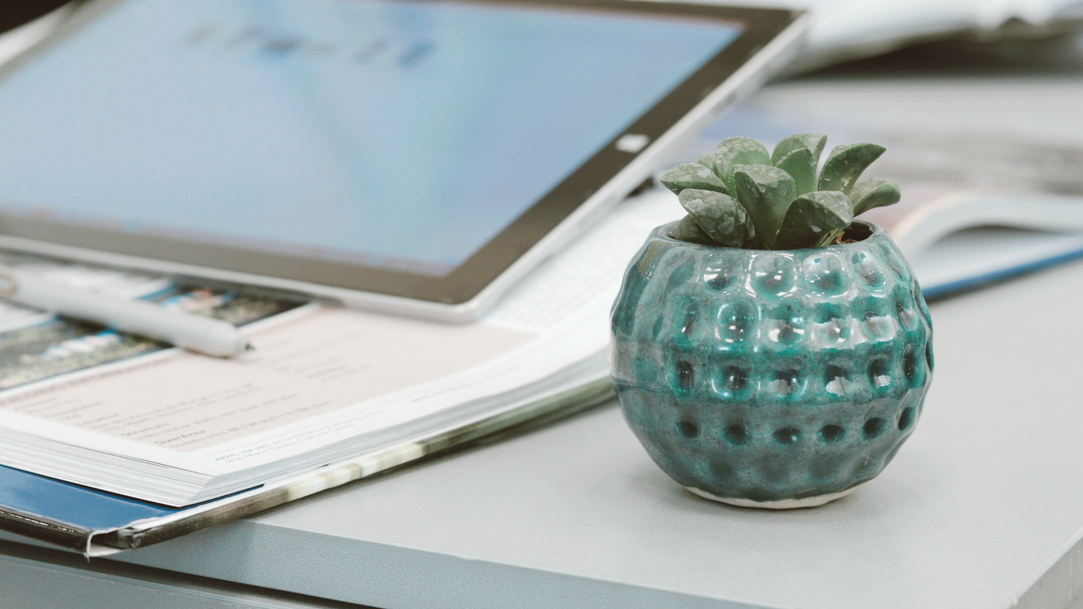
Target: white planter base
<point>784,504</point>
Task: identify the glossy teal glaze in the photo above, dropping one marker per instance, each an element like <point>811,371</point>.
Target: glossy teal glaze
<point>762,376</point>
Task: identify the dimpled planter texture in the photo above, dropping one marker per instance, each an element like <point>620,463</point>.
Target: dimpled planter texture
<point>771,378</point>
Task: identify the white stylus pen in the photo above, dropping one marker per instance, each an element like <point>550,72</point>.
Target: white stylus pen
<point>202,334</point>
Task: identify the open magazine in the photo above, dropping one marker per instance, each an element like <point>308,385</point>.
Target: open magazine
<point>980,208</point>
<point>131,427</point>
<point>976,208</point>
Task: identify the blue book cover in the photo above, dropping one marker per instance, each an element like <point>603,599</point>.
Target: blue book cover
<point>62,513</point>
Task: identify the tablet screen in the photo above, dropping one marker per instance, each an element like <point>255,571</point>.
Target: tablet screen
<point>401,135</point>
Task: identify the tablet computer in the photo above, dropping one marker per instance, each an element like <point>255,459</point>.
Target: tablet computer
<point>410,156</point>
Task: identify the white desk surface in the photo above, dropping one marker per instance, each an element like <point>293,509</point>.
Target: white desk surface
<point>982,508</point>
<point>983,500</point>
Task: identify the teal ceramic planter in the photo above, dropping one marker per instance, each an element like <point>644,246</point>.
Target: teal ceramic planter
<point>771,378</point>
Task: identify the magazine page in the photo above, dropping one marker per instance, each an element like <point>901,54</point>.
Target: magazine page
<point>318,363</point>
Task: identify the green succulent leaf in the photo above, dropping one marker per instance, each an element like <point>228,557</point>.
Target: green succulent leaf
<point>692,175</point>
<point>814,220</point>
<point>874,192</point>
<point>708,160</point>
<point>744,196</point>
<point>688,230</point>
<point>736,152</point>
<point>719,215</point>
<point>813,142</point>
<point>801,165</point>
<point>766,192</point>
<point>845,164</point>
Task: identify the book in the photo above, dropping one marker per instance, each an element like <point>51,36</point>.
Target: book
<point>104,437</point>
<point>96,523</point>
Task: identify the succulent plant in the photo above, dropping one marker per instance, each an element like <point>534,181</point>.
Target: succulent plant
<point>744,196</point>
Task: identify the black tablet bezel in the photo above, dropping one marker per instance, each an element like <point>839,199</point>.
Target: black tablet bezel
<point>759,26</point>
